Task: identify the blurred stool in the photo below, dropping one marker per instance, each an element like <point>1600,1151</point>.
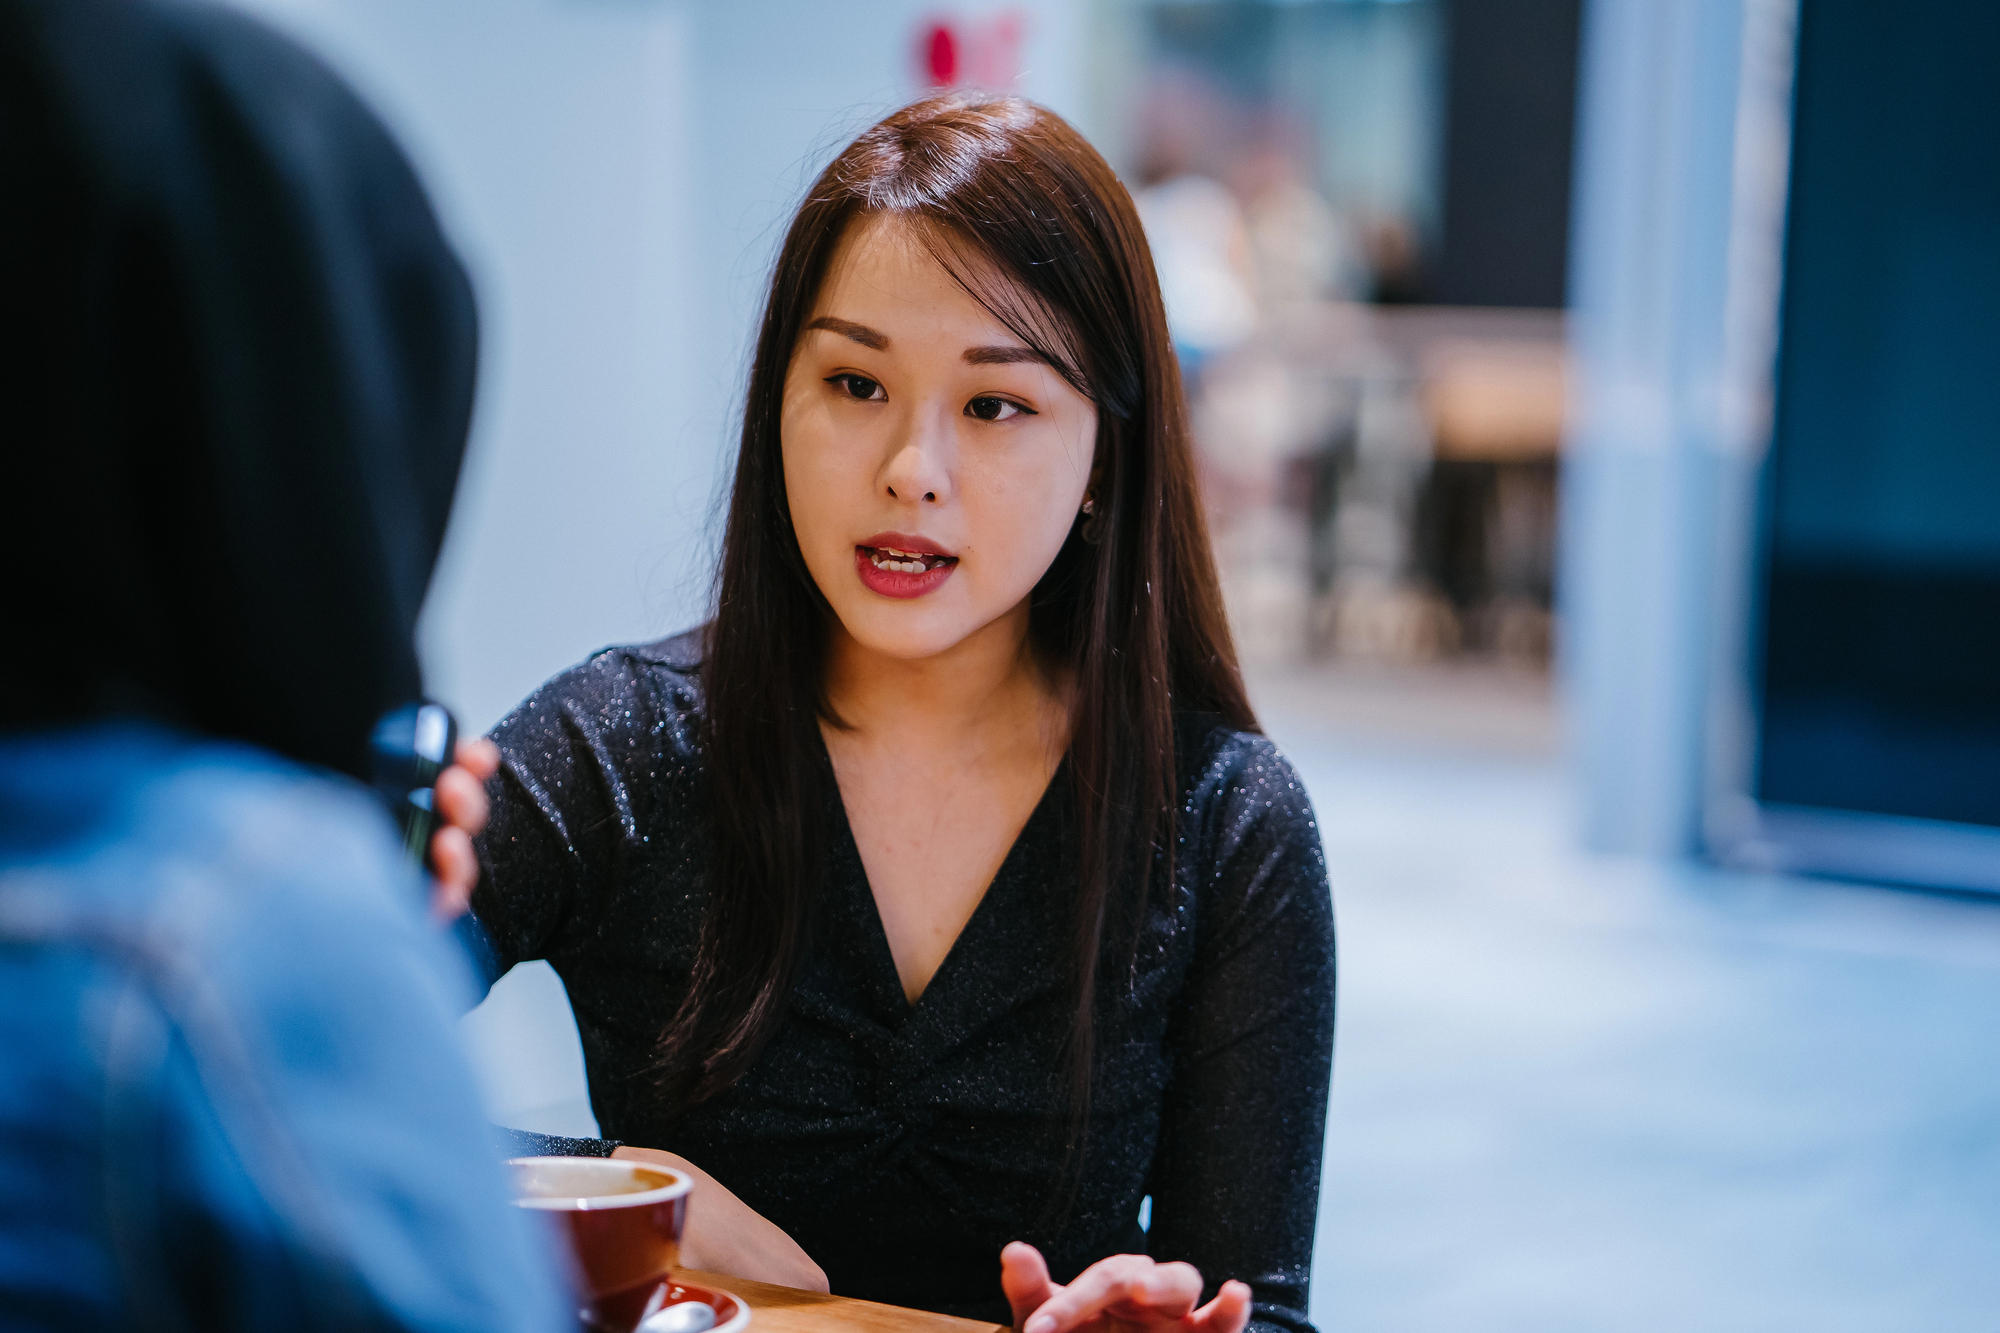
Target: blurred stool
<point>1484,531</point>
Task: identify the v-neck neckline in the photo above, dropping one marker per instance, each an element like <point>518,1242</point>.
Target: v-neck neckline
<point>883,976</point>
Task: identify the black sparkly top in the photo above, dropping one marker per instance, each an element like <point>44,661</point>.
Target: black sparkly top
<point>903,1145</point>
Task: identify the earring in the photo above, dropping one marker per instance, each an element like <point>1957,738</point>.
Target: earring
<point>1093,522</point>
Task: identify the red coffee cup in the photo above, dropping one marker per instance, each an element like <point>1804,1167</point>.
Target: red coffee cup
<point>624,1219</point>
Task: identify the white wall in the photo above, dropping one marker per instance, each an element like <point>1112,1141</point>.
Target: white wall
<point>617,174</point>
<point>555,139</point>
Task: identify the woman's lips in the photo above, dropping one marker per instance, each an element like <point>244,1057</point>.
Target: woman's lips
<point>903,571</point>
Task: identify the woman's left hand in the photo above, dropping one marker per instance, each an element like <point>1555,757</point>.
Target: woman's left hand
<point>1127,1293</point>
<point>462,811</point>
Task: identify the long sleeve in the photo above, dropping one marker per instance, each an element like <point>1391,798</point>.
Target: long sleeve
<point>580,778</point>
<point>935,1122</point>
<point>527,1143</point>
<point>1236,1174</point>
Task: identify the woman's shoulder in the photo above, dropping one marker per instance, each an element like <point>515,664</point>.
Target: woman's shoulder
<point>671,665</point>
<point>1240,797</point>
<point>1219,762</point>
<point>278,929</point>
<point>113,796</point>
<point>680,654</point>
<point>650,690</point>
<point>236,859</point>
<point>280,853</point>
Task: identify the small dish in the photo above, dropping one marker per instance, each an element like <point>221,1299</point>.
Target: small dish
<point>623,1311</point>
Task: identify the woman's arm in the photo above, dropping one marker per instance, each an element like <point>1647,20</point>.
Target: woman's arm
<point>728,1236</point>
<point>1236,1173</point>
<point>560,808</point>
<point>563,816</point>
<point>1236,1170</point>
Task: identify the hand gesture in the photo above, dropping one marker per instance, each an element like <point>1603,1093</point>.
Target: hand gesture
<point>1127,1293</point>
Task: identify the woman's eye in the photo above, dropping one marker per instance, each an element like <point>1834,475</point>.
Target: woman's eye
<point>858,386</point>
<point>996,409</point>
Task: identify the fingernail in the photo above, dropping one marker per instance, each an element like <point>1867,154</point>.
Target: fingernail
<point>1041,1323</point>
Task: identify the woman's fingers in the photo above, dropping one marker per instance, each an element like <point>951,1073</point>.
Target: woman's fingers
<point>457,872</point>
<point>1229,1312</point>
<point>1173,1291</point>
<point>478,756</point>
<point>1024,1276</point>
<point>1126,1286</point>
<point>461,798</point>
<point>462,811</point>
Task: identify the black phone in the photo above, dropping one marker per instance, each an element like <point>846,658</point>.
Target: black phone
<point>411,746</point>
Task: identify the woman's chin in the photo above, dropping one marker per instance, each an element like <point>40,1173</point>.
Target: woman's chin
<point>904,642</point>
<point>910,631</point>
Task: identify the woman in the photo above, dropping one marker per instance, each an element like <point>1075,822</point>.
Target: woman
<point>940,893</point>
<point>237,388</point>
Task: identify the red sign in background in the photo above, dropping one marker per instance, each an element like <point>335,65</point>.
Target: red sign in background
<point>953,52</point>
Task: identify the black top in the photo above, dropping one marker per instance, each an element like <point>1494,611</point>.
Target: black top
<point>236,371</point>
<point>902,1146</point>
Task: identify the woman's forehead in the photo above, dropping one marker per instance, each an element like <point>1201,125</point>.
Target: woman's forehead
<point>933,282</point>
<point>890,267</point>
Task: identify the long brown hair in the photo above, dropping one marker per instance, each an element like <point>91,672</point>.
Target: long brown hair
<point>1029,218</point>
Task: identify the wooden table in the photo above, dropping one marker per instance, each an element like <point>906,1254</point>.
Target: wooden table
<point>789,1310</point>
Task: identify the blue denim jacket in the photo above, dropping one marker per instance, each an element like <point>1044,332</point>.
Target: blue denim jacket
<point>230,1091</point>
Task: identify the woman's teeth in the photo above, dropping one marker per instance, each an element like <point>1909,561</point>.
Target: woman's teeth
<point>902,562</point>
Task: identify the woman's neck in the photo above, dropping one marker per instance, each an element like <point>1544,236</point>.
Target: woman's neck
<point>990,679</point>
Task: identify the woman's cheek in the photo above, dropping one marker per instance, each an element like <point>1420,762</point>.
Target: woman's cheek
<point>1019,513</point>
<point>806,489</point>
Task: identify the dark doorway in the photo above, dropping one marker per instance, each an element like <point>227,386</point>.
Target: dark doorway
<point>1510,114</point>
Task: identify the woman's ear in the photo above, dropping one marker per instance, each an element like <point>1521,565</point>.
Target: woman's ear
<point>1094,506</point>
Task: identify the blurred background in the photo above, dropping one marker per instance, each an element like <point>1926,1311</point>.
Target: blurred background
<point>1594,408</point>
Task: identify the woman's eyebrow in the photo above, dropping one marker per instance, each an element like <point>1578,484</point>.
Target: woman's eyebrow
<point>847,328</point>
<point>996,355</point>
<point>1001,356</point>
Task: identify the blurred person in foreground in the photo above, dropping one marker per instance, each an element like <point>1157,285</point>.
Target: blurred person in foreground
<point>238,377</point>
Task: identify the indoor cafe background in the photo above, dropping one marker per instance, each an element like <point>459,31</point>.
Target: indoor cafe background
<point>1453,279</point>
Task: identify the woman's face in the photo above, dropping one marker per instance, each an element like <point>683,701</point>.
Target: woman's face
<point>934,463</point>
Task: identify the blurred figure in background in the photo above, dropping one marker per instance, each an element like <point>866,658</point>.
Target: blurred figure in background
<point>1202,254</point>
<point>238,373</point>
<point>1302,251</point>
<point>1378,474</point>
<point>1194,225</point>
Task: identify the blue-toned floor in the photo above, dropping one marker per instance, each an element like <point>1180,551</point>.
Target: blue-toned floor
<point>1574,1093</point>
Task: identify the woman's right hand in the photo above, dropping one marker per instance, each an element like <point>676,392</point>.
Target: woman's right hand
<point>1126,1293</point>
<point>726,1235</point>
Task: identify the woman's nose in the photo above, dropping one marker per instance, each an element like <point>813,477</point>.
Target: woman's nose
<point>916,469</point>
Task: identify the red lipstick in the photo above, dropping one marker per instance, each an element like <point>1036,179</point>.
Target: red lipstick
<point>895,564</point>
